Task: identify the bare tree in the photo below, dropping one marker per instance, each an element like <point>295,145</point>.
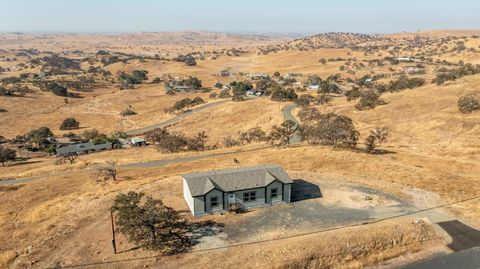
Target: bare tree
<point>106,171</point>
<point>376,138</point>
<point>71,158</point>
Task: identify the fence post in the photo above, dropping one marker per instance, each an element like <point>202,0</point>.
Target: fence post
<point>113,233</point>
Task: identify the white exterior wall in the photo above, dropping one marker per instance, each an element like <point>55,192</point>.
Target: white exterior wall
<point>259,195</point>
<point>188,197</point>
<point>287,192</point>
<point>279,198</point>
<point>214,193</point>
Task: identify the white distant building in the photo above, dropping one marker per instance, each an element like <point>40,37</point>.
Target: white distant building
<point>313,87</point>
<point>406,59</point>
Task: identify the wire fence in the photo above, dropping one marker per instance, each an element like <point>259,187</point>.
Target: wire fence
<point>153,258</point>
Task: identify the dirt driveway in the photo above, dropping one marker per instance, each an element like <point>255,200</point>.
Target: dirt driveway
<point>317,206</point>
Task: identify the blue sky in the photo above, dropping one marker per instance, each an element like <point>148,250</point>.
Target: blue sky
<point>281,16</point>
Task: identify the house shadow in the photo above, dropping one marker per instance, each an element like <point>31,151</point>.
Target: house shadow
<point>304,190</point>
<point>463,236</point>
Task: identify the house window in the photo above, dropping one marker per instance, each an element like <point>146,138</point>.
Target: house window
<point>249,196</point>
<point>274,192</point>
<point>214,201</point>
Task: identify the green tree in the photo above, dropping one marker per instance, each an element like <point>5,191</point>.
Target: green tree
<point>331,129</point>
<point>281,135</point>
<point>7,155</point>
<point>255,134</point>
<point>38,136</point>
<point>150,224</point>
<point>69,124</point>
<point>369,100</point>
<point>469,103</point>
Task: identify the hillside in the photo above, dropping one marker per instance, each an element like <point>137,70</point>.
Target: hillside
<point>389,198</point>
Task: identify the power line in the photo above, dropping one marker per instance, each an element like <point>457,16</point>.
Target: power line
<point>278,238</point>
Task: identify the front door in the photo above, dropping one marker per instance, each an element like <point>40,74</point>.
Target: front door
<point>231,198</point>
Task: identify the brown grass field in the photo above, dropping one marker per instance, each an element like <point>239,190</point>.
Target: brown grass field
<point>63,218</point>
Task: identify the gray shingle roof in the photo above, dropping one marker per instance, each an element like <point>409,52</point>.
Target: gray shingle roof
<point>235,179</point>
<point>82,147</point>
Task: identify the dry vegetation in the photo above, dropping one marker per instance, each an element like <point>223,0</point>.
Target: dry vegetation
<point>62,219</point>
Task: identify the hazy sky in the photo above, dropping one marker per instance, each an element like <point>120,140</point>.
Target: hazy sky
<point>305,16</point>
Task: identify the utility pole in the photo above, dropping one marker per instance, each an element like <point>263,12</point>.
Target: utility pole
<point>113,233</point>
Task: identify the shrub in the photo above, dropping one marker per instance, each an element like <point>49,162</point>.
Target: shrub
<point>128,112</point>
<point>369,100</point>
<point>241,88</point>
<point>230,142</point>
<point>175,142</point>
<point>469,103</point>
<point>329,87</point>
<point>323,99</point>
<point>308,114</point>
<point>353,94</point>
<point>7,155</point>
<point>375,138</point>
<point>305,100</point>
<point>403,83</point>
<point>284,95</point>
<point>255,134</point>
<point>69,124</point>
<point>224,94</point>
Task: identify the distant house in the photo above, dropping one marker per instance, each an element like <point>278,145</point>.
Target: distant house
<point>258,76</point>
<point>247,187</point>
<point>414,70</point>
<point>313,87</point>
<point>406,59</point>
<point>297,83</point>
<point>138,141</point>
<point>82,148</point>
<point>294,75</point>
<point>225,73</point>
<point>183,88</point>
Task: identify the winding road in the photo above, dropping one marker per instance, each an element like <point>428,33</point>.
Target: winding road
<point>175,119</point>
<point>288,115</point>
<point>287,112</point>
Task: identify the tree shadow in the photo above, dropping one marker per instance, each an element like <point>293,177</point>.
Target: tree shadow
<point>128,250</point>
<point>381,152</point>
<point>10,187</point>
<point>23,163</point>
<point>304,190</point>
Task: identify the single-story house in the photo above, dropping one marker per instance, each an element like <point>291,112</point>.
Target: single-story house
<point>138,141</point>
<point>183,88</point>
<point>313,87</point>
<point>258,76</point>
<point>246,187</point>
<point>82,148</point>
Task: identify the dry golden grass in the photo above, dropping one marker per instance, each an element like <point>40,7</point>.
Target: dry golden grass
<point>64,218</point>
